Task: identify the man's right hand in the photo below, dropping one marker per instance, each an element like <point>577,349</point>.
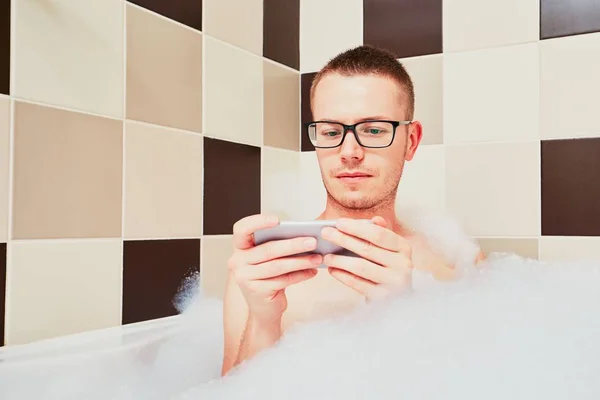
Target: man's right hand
<point>263,272</point>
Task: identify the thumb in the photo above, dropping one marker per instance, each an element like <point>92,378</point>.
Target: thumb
<point>379,221</point>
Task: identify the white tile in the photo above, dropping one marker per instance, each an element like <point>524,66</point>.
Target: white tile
<point>423,181</point>
<point>491,95</point>
<point>328,27</point>
<point>312,195</point>
<point>426,73</point>
<point>280,172</point>
<point>292,185</point>
<point>472,24</point>
<point>569,87</point>
<point>495,188</point>
<point>57,288</point>
<point>556,248</point>
<point>239,23</point>
<point>233,89</point>
<point>70,54</point>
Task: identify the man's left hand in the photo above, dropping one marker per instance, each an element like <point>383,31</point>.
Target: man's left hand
<point>385,263</point>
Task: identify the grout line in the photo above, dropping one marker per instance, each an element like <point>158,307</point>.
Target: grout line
<point>203,112</point>
<point>11,140</point>
<point>154,13</point>
<point>65,108</point>
<point>65,240</point>
<point>9,248</point>
<point>123,162</point>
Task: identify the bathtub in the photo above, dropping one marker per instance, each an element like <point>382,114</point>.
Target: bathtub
<point>516,328</point>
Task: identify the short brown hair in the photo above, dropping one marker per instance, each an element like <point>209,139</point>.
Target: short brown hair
<point>365,60</point>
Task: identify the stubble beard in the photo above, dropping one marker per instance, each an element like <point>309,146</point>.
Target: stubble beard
<point>384,198</point>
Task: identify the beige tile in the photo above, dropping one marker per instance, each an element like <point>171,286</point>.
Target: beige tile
<point>556,248</point>
<point>67,174</point>
<point>70,53</point>
<point>281,107</point>
<point>491,95</point>
<point>57,288</point>
<point>236,22</point>
<point>427,73</point>
<point>423,180</point>
<point>4,165</point>
<point>569,86</point>
<point>328,28</point>
<point>472,24</point>
<point>494,189</point>
<point>524,247</point>
<point>233,93</point>
<point>280,193</point>
<point>216,250</point>
<point>163,182</point>
<point>164,71</point>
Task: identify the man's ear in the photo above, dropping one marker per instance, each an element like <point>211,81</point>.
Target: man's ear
<point>415,134</point>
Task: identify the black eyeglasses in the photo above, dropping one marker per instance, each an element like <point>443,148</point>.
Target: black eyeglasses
<point>375,134</point>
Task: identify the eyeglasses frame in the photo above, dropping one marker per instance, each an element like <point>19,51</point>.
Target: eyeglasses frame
<point>395,125</point>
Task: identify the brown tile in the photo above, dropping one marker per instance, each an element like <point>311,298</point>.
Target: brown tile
<point>153,273</point>
<point>231,184</point>
<point>187,12</point>
<point>4,165</point>
<point>5,47</point>
<point>524,247</point>
<point>568,17</point>
<point>67,174</point>
<point>306,114</point>
<point>281,32</point>
<point>164,72</point>
<point>570,187</point>
<point>281,107</point>
<point>407,28</point>
<point>2,290</point>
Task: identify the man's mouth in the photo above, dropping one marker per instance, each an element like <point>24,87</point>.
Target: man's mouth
<point>351,177</point>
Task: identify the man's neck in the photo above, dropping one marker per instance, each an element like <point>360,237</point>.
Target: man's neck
<point>335,211</point>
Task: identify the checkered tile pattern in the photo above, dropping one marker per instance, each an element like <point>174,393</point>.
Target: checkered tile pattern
<point>134,133</point>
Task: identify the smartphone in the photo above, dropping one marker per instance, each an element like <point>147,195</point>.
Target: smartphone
<point>294,229</point>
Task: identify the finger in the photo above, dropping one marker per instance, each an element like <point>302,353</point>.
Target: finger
<point>244,229</point>
<point>361,268</point>
<point>280,266</point>
<point>361,285</point>
<point>361,247</point>
<point>283,281</point>
<point>278,249</point>
<point>373,233</point>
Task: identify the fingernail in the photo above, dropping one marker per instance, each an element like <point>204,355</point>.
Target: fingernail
<point>272,219</point>
<point>316,259</point>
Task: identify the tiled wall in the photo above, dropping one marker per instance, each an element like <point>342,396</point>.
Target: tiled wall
<point>132,137</point>
<point>507,91</point>
<point>133,134</point>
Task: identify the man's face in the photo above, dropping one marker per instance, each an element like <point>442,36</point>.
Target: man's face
<point>351,99</point>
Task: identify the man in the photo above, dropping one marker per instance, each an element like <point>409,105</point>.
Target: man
<point>363,104</point>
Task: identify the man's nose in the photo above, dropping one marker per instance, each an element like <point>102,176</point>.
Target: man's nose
<point>350,148</point>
